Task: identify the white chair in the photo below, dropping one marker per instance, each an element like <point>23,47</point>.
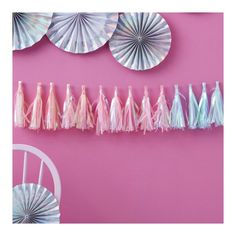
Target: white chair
<point>44,160</point>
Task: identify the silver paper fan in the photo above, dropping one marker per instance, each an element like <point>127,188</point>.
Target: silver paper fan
<point>81,32</point>
<point>29,28</point>
<point>141,40</point>
<point>32,203</point>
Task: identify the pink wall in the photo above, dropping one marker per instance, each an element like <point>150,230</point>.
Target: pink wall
<point>170,177</point>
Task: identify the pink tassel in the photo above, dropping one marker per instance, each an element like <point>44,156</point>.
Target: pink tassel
<point>116,113</point>
<point>130,113</point>
<point>20,107</point>
<point>145,120</point>
<point>52,118</point>
<point>36,110</point>
<point>68,110</point>
<point>162,114</point>
<point>102,113</point>
<point>84,118</point>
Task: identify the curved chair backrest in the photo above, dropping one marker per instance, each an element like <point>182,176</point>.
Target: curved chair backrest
<point>44,160</point>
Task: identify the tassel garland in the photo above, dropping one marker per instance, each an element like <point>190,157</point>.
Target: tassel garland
<point>216,114</point>
<point>145,119</point>
<point>102,113</point>
<point>116,117</point>
<point>192,109</point>
<point>116,113</point>
<point>162,114</point>
<point>68,110</point>
<point>84,118</point>
<point>130,113</point>
<point>52,117</point>
<point>20,107</point>
<point>177,120</point>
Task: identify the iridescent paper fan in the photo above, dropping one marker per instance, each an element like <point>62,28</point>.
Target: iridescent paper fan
<point>32,203</point>
<point>29,28</point>
<point>81,32</point>
<point>141,40</point>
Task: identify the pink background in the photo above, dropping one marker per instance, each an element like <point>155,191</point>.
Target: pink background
<point>170,177</point>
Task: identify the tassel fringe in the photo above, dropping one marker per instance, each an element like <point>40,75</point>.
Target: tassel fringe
<point>192,109</point>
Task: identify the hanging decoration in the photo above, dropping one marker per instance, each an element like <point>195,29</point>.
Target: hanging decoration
<point>215,115</point>
<point>84,118</point>
<point>81,32</point>
<point>34,204</point>
<point>141,40</point>
<point>131,110</point>
<point>202,116</point>
<point>52,116</point>
<point>102,113</point>
<point>20,107</point>
<point>116,113</point>
<point>68,117</point>
<point>146,113</point>
<point>35,110</point>
<point>117,117</point>
<point>192,109</point>
<point>28,28</point>
<point>162,114</point>
<point>177,120</point>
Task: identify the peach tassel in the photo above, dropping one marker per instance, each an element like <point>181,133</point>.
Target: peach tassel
<point>20,107</point>
<point>130,122</point>
<point>116,113</point>
<point>36,110</point>
<point>68,110</point>
<point>84,118</point>
<point>145,120</point>
<point>102,113</point>
<point>52,117</point>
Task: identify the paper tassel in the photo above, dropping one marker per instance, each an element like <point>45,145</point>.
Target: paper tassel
<point>52,118</point>
<point>192,109</point>
<point>68,117</point>
<point>20,107</point>
<point>84,118</point>
<point>177,120</point>
<point>146,112</point>
<point>36,110</point>
<point>202,117</point>
<point>116,113</point>
<point>216,114</point>
<point>130,113</point>
<point>102,113</point>
<point>162,114</point>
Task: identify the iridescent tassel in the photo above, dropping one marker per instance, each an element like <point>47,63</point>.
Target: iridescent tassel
<point>216,113</point>
<point>177,120</point>
<point>36,110</point>
<point>146,112</point>
<point>102,113</point>
<point>116,113</point>
<point>162,114</point>
<point>68,120</point>
<point>20,107</point>
<point>202,116</point>
<point>130,122</point>
<point>84,118</point>
<point>52,117</point>
<point>192,109</point>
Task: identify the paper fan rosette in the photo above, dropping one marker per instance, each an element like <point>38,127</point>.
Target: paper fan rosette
<point>28,28</point>
<point>33,203</point>
<point>81,32</point>
<point>141,40</point>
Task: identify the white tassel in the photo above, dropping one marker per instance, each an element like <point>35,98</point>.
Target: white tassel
<point>216,113</point>
<point>203,108</point>
<point>177,120</point>
<point>192,109</point>
<point>116,113</point>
